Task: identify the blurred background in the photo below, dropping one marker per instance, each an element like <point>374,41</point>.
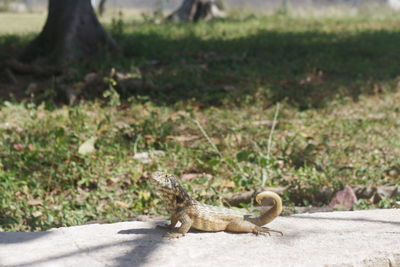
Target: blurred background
<point>268,6</point>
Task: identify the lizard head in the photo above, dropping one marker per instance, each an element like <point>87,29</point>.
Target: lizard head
<point>168,184</point>
<point>162,179</point>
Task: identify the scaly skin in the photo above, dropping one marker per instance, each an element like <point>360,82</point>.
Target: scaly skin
<point>193,214</point>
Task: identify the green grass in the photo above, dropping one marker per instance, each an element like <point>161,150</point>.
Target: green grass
<point>336,81</point>
<point>304,61</point>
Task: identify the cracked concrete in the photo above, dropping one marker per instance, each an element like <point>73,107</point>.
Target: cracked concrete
<point>358,238</point>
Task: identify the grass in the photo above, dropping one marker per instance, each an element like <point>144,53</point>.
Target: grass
<point>305,61</point>
<point>211,108</point>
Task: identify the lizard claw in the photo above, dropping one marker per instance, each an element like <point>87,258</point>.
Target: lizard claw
<point>262,233</point>
<point>264,230</point>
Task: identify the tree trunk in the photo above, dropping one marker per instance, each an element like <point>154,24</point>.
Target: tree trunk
<point>102,7</point>
<point>194,10</point>
<point>71,33</point>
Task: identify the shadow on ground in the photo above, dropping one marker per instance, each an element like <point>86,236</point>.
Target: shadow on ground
<point>306,68</point>
<point>20,237</point>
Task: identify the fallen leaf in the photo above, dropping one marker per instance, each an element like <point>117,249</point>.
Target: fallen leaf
<point>228,183</point>
<point>390,191</point>
<point>190,176</point>
<point>203,193</point>
<point>10,127</point>
<point>37,213</point>
<point>113,180</point>
<point>267,123</point>
<point>91,76</point>
<point>121,204</point>
<point>34,202</point>
<point>184,138</point>
<point>344,198</point>
<point>82,196</point>
<point>147,157</point>
<point>18,147</point>
<point>88,146</point>
<point>393,172</point>
<point>233,139</point>
<point>149,139</point>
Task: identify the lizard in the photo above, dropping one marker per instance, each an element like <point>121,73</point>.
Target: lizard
<point>193,214</point>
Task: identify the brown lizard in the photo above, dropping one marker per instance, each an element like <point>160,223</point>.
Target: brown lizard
<point>193,214</point>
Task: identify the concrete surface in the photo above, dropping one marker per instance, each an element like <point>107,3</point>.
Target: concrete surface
<point>359,238</point>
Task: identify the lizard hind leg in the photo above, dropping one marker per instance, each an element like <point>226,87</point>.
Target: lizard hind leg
<point>240,226</point>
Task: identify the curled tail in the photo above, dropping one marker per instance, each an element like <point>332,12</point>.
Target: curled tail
<point>270,214</point>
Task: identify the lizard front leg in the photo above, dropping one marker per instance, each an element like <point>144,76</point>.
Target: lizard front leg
<point>241,226</point>
<point>186,223</point>
<point>174,221</point>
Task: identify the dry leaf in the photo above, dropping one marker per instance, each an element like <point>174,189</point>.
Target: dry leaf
<point>147,157</point>
<point>82,196</point>
<point>344,198</point>
<point>190,176</point>
<point>184,138</point>
<point>91,76</point>
<point>232,139</point>
<point>88,146</point>
<point>393,172</point>
<point>227,183</point>
<point>267,123</point>
<point>19,147</point>
<point>121,204</point>
<point>11,127</point>
<point>150,139</point>
<point>37,213</point>
<point>113,180</point>
<point>390,191</point>
<point>34,202</point>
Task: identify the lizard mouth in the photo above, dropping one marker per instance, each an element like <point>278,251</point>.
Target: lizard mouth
<point>158,178</point>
